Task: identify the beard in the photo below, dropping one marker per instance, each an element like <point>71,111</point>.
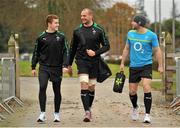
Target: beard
<point>86,22</point>
<point>135,27</point>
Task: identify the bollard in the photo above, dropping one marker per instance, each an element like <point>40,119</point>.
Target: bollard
<point>11,45</point>
<point>17,66</point>
<point>177,77</point>
<point>168,66</point>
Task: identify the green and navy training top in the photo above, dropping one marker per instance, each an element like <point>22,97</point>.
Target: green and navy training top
<point>93,38</point>
<point>51,50</point>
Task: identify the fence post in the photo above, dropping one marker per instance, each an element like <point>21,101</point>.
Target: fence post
<point>177,77</point>
<point>163,48</point>
<point>11,45</point>
<point>13,50</point>
<point>169,68</point>
<point>17,66</point>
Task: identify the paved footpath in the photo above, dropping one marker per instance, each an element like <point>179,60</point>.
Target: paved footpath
<point>109,109</point>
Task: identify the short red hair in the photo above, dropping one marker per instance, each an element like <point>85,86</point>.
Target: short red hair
<point>50,18</point>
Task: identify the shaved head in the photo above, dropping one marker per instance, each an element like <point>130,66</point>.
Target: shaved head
<point>87,16</point>
<point>90,12</point>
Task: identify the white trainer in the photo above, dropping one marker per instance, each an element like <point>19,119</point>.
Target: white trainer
<point>56,117</point>
<point>41,117</point>
<point>135,114</point>
<point>147,118</point>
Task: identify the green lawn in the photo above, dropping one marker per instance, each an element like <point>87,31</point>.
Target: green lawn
<point>158,86</point>
<point>25,70</point>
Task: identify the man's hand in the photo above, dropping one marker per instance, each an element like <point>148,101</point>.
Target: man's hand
<point>33,72</point>
<point>160,69</point>
<point>65,70</point>
<point>90,52</point>
<point>122,67</point>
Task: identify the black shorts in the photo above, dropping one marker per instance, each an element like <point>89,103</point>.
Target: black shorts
<point>136,73</point>
<point>54,73</point>
<point>88,67</point>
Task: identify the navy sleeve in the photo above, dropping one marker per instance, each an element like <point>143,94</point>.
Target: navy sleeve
<point>65,53</point>
<point>35,56</point>
<point>105,44</point>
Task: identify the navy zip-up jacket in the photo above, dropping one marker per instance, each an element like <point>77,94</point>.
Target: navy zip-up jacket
<point>51,50</point>
<point>94,39</point>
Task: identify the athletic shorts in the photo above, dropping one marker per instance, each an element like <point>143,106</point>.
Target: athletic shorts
<point>54,73</point>
<point>88,67</point>
<point>136,73</point>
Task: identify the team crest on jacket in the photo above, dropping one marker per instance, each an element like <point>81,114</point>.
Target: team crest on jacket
<point>94,31</point>
<point>57,38</point>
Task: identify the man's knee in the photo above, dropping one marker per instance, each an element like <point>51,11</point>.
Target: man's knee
<point>92,83</point>
<point>147,85</point>
<point>84,86</point>
<point>147,88</point>
<point>132,92</point>
<point>92,87</point>
<point>133,88</point>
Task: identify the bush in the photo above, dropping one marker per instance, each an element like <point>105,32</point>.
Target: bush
<point>154,65</point>
<point>117,62</point>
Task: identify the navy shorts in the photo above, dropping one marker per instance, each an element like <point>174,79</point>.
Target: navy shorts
<point>88,67</point>
<point>54,74</point>
<point>136,73</point>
